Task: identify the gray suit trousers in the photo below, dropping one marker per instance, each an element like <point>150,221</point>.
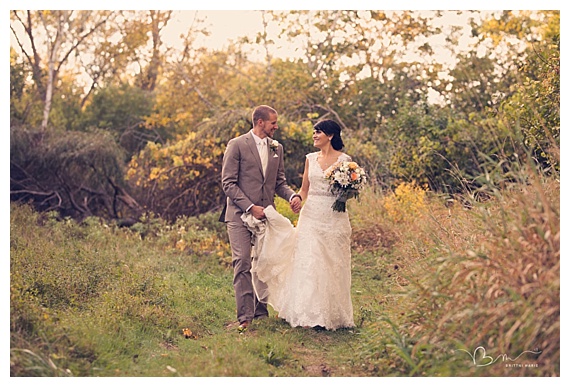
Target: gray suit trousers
<point>248,306</point>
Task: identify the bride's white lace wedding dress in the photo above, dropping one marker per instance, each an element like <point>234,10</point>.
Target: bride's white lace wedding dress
<point>304,273</point>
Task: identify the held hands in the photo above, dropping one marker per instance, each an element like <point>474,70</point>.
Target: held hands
<point>295,204</point>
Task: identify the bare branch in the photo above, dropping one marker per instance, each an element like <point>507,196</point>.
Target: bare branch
<point>195,88</point>
<point>334,113</point>
<point>79,41</point>
<point>27,191</point>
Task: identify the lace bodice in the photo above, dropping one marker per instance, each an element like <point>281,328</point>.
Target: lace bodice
<point>318,185</point>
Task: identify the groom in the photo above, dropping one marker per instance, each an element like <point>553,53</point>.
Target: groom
<point>252,174</point>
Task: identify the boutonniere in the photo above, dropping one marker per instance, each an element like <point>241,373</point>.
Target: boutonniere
<point>274,145</point>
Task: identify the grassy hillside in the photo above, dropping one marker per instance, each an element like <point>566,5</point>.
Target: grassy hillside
<point>432,281</point>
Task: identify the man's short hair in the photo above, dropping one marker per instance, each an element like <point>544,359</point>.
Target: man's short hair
<point>262,112</point>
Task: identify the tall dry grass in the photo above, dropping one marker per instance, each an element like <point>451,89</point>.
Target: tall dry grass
<point>498,286</point>
<point>485,276</point>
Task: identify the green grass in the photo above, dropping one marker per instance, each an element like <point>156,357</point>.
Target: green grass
<point>93,299</point>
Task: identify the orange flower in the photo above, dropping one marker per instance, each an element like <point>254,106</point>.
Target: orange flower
<point>354,176</point>
<point>352,165</point>
<point>188,333</point>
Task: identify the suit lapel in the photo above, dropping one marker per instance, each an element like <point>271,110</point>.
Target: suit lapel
<point>253,148</point>
<point>272,161</point>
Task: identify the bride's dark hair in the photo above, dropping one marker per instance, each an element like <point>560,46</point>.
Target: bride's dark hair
<point>330,127</point>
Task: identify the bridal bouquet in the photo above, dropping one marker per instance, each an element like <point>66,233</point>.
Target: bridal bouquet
<point>346,179</point>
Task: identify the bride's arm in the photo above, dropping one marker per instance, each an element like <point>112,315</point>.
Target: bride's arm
<point>305,184</point>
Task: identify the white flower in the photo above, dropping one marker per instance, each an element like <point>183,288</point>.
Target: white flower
<point>274,145</point>
<point>346,179</point>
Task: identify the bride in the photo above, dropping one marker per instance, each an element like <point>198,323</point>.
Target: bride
<point>304,273</point>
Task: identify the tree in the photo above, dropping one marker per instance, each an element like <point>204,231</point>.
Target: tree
<point>63,33</point>
<point>141,32</point>
<point>534,108</point>
<point>174,110</point>
<point>122,110</point>
<point>18,89</point>
<point>183,178</point>
<point>343,47</point>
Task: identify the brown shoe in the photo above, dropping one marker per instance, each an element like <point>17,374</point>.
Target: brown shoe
<point>243,326</point>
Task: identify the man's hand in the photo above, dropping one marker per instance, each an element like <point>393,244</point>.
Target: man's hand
<point>295,204</point>
<point>257,212</point>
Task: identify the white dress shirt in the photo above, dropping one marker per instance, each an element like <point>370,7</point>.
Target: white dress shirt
<point>262,149</point>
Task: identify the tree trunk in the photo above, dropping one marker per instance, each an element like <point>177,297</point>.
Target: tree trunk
<point>53,57</point>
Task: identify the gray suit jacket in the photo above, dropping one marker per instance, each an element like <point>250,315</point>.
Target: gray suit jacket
<point>242,177</point>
